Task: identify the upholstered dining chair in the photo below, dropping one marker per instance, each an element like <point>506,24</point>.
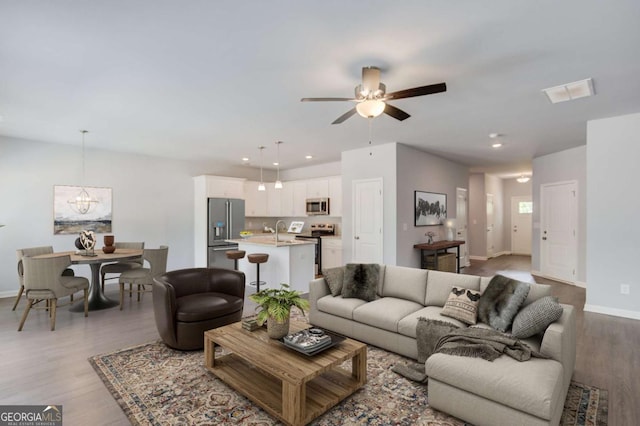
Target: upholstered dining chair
<point>143,277</point>
<point>120,267</point>
<point>33,251</point>
<point>43,280</point>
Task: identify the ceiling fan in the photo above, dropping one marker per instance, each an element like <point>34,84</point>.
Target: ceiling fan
<point>371,97</point>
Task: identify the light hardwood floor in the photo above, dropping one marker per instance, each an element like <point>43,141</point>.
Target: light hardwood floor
<point>38,366</point>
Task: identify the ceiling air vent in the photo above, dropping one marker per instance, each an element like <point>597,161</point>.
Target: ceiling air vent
<point>570,91</point>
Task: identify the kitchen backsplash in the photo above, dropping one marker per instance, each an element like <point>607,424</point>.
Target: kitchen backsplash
<point>257,224</point>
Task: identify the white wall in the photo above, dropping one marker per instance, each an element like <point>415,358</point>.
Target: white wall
<point>310,172</point>
<point>358,164</point>
<point>561,166</point>
<point>418,170</point>
<point>613,203</point>
<point>152,200</point>
<point>494,185</point>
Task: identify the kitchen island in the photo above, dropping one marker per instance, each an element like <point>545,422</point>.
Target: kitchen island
<point>290,261</point>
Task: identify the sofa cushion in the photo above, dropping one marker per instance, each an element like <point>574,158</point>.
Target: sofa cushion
<point>385,313</point>
<point>534,386</point>
<point>501,300</point>
<point>202,306</point>
<point>407,325</point>
<point>439,285</point>
<point>536,317</point>
<point>536,291</point>
<point>462,305</point>
<point>339,306</point>
<point>405,283</point>
<point>334,278</point>
<point>361,281</point>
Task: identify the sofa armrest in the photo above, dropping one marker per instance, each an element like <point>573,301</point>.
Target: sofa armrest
<point>317,288</point>
<point>559,341</point>
<point>164,310</point>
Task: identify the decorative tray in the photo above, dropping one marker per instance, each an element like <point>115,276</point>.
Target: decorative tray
<point>311,348</point>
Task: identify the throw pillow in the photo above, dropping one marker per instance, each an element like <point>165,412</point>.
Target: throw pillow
<point>428,333</point>
<point>462,305</point>
<point>334,278</point>
<point>501,300</point>
<point>536,317</point>
<point>360,281</point>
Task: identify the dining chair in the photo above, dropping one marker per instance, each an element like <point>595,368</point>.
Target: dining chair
<point>44,280</point>
<point>142,277</point>
<point>120,267</point>
<point>33,251</point>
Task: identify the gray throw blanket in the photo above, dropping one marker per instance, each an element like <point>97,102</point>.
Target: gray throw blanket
<point>484,343</point>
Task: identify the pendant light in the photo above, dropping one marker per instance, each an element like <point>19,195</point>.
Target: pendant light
<point>83,202</point>
<point>261,187</point>
<point>278,184</point>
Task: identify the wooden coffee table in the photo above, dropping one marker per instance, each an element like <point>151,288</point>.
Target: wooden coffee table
<point>289,385</point>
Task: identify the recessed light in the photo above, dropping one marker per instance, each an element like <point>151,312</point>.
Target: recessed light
<point>275,163</point>
<point>493,135</point>
<point>570,91</point>
<point>523,179</point>
<point>308,157</point>
<point>496,145</point>
<point>245,158</point>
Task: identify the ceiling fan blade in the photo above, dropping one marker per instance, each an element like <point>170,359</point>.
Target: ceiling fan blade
<point>325,99</point>
<point>344,116</point>
<point>418,91</point>
<point>396,113</point>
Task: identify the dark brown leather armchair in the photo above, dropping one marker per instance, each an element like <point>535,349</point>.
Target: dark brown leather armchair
<point>188,302</point>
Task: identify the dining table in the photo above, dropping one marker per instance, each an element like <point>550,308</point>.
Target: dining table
<point>97,299</point>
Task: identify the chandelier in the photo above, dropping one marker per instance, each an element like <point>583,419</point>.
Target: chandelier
<point>83,202</point>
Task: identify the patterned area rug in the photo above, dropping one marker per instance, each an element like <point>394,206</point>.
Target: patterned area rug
<point>156,385</point>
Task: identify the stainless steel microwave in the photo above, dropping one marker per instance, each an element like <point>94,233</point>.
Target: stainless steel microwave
<point>317,206</point>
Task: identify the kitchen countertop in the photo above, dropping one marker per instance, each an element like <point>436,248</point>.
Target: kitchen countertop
<point>270,241</point>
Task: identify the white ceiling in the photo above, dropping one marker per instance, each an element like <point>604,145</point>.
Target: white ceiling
<point>213,80</point>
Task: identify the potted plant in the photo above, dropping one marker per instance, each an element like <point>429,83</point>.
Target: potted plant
<point>275,308</point>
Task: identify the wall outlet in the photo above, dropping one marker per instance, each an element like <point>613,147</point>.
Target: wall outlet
<point>624,289</point>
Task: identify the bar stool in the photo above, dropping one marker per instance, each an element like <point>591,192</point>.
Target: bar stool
<point>235,255</point>
<point>257,258</point>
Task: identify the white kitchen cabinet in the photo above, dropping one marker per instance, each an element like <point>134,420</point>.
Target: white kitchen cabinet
<point>224,187</point>
<point>318,188</point>
<point>287,204</point>
<point>299,198</point>
<point>274,201</point>
<point>255,201</point>
<point>335,196</point>
<point>331,252</point>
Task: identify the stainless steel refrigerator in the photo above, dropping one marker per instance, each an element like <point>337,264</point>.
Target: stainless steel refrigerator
<point>226,220</point>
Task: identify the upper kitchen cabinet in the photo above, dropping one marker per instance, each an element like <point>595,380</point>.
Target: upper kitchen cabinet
<point>287,204</point>
<point>335,196</point>
<point>255,201</point>
<point>318,188</point>
<point>223,187</point>
<point>274,201</point>
<point>299,188</point>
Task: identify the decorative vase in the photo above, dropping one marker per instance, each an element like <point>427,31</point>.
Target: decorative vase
<point>277,330</point>
<point>108,240</point>
<point>108,249</point>
<point>449,234</point>
<point>78,244</point>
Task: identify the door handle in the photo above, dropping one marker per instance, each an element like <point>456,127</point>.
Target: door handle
<point>544,238</point>
<point>357,238</point>
<point>515,230</point>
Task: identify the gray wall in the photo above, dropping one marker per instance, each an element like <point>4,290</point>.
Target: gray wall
<point>403,170</point>
<point>613,203</point>
<point>418,170</point>
<point>477,216</point>
<point>152,200</point>
<point>493,185</point>
<point>512,188</point>
<point>559,167</point>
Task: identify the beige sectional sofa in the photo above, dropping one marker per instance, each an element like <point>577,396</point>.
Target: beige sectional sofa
<point>502,392</point>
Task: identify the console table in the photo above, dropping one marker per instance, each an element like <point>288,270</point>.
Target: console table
<point>438,247</point>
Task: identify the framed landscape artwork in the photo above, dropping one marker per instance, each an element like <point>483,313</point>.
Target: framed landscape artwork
<point>66,220</point>
<point>431,208</point>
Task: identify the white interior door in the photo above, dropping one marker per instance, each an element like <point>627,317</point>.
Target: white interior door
<point>558,227</point>
<point>521,211</point>
<point>490,210</point>
<point>461,224</point>
<point>367,221</point>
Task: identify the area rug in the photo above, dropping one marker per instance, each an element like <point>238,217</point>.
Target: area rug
<point>156,385</point>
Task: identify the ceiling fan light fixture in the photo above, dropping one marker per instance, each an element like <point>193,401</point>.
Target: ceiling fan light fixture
<point>523,179</point>
<point>370,108</point>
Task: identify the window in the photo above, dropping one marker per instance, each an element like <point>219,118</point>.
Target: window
<point>525,207</point>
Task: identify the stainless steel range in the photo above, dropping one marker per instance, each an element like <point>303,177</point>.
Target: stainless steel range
<point>317,230</point>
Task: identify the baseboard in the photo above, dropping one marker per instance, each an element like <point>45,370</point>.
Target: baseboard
<point>612,311</point>
<point>8,293</point>
<point>478,258</point>
<point>574,283</point>
<point>501,253</point>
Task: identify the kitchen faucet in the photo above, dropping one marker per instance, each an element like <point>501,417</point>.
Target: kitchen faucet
<point>277,223</point>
